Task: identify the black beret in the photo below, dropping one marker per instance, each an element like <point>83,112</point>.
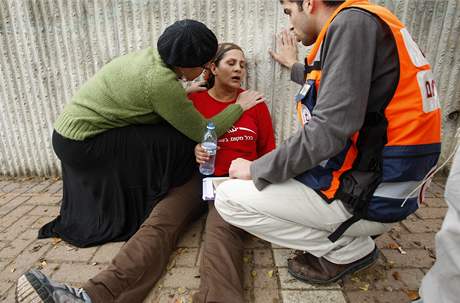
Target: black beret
<point>187,43</point>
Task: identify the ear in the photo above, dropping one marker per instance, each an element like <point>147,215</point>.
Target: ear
<point>213,68</point>
<point>309,5</point>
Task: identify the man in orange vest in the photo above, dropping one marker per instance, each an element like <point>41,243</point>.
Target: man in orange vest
<point>370,138</point>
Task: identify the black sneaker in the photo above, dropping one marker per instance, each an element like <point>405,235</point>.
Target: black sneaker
<point>34,286</point>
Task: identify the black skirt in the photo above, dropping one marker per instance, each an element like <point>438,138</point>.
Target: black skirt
<point>112,181</point>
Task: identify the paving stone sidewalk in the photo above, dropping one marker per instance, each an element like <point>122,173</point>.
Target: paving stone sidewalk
<point>26,204</point>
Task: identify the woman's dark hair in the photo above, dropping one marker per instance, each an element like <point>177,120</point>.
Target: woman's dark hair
<point>221,51</point>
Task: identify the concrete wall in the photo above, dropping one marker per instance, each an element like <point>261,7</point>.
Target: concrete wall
<point>50,47</point>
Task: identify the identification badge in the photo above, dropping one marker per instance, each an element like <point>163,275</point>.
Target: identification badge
<point>302,92</point>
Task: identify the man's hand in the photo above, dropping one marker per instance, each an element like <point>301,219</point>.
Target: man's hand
<point>286,45</point>
<point>240,169</point>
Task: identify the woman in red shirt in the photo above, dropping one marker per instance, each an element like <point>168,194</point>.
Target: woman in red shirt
<point>251,137</point>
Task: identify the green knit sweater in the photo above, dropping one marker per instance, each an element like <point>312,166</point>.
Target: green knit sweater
<point>136,88</point>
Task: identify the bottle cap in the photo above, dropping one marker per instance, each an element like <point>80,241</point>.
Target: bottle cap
<point>210,125</point>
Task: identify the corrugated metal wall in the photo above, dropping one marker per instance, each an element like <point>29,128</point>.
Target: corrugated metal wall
<point>50,47</point>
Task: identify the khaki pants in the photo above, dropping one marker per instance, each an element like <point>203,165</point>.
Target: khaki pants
<point>143,259</point>
<point>293,215</point>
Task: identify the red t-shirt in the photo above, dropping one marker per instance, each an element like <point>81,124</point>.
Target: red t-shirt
<point>250,137</point>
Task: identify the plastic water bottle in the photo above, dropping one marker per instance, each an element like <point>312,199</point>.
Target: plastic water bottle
<point>209,144</point>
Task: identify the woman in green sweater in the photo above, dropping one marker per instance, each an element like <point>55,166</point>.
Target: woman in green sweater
<point>127,137</point>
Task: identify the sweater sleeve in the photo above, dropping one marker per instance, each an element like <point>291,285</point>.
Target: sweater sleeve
<point>347,68</point>
<point>172,105</point>
<point>265,134</point>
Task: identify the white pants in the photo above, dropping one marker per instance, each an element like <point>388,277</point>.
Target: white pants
<point>441,283</point>
<point>293,215</point>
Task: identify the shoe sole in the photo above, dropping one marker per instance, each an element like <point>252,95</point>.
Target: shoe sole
<point>28,290</point>
<point>358,267</point>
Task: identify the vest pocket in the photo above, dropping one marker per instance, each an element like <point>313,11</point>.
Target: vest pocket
<point>356,190</point>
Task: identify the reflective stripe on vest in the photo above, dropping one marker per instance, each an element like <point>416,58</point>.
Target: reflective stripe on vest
<point>413,131</point>
<point>396,190</point>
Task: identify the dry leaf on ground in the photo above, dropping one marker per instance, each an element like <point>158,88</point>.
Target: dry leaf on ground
<point>364,287</point>
<point>412,294</point>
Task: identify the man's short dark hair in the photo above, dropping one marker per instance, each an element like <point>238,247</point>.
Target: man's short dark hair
<point>333,3</point>
<point>330,3</point>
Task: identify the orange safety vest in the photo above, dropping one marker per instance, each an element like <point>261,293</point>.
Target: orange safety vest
<point>385,191</point>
